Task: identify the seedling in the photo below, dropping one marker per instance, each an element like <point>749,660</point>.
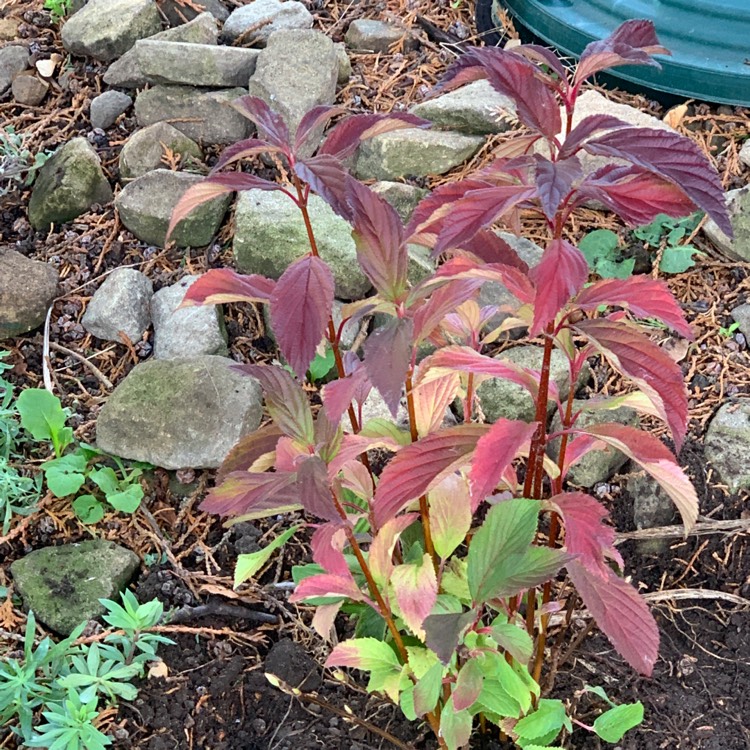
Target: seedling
<point>667,233</point>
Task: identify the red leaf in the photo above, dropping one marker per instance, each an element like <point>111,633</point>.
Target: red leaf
<point>339,394</point>
<point>585,534</point>
<point>268,122</point>
<point>495,451</point>
<point>643,296</point>
<point>559,276</point>
<point>249,449</point>
<point>422,465</point>
<point>379,237</point>
<point>415,586</point>
<point>220,285</point>
<point>431,400</point>
<point>325,175</point>
<point>243,150</point>
<point>631,43</point>
<point>442,302</point>
<point>554,180</point>
<point>491,248</point>
<point>315,121</point>
<point>301,306</point>
<point>468,685</point>
<point>634,194</point>
<point>650,367</point>
<point>380,554</point>
<point>285,400</point>
<point>345,137</point>
<point>649,453</point>
<point>587,127</point>
<point>674,158</point>
<point>314,490</point>
<point>242,492</point>
<point>543,55</point>
<point>621,614</point>
<point>327,544</point>
<point>326,584</point>
<point>388,352</point>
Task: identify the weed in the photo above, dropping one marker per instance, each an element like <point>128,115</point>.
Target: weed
<point>18,166</point>
<point>58,9</point>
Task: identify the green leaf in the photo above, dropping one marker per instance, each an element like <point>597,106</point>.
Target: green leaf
<point>601,243</point>
<point>322,365</point>
<point>373,656</point>
<point>497,669</point>
<point>612,724</point>
<point>533,567</point>
<point>548,719</point>
<point>455,726</point>
<point>65,476</point>
<point>43,416</point>
<point>427,690</point>
<point>106,480</point>
<point>516,641</point>
<point>678,259</point>
<point>88,509</point>
<point>249,565</point>
<point>611,269</point>
<point>128,500</point>
<point>495,700</point>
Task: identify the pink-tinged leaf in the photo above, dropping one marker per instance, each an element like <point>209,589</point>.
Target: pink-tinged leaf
<point>353,446</point>
<point>325,175</point>
<point>327,545</point>
<point>379,237</point>
<point>221,285</point>
<point>431,400</point>
<point>450,514</point>
<point>515,77</point>
<point>442,302</point>
<point>315,120</point>
<point>650,454</point>
<point>415,587</point>
<point>491,248</point>
<point>634,194</point>
<point>289,454</point>
<point>444,632</point>
<point>356,477</point>
<point>468,685</point>
<point>388,352</point>
<point>621,614</point>
<point>419,467</point>
<point>465,359</point>
<point>631,43</point>
<point>324,619</point>
<point>368,654</point>
<point>243,150</point>
<point>380,556</point>
<point>585,129</point>
<point>314,490</point>
<point>243,492</point>
<point>672,156</point>
<point>559,276</point>
<point>543,56</point>
<point>649,366</point>
<point>301,306</point>
<point>494,453</point>
<point>643,296</point>
<point>285,400</point>
<point>554,181</point>
<point>343,139</point>
<point>339,394</point>
<point>268,122</point>
<point>214,187</point>
<point>326,584</point>
<point>455,726</point>
<point>585,533</point>
<point>249,449</point>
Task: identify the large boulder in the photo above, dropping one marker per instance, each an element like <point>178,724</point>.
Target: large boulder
<point>27,289</point>
<point>255,22</point>
<point>106,29</point>
<point>144,150</point>
<point>63,584</point>
<point>205,116</point>
<point>726,444</point>
<point>180,413</point>
<point>146,204</point>
<point>738,247</point>
<point>270,234</point>
<point>68,185</point>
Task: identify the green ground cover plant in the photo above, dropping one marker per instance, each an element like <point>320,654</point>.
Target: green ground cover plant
<point>18,166</point>
<point>449,561</point>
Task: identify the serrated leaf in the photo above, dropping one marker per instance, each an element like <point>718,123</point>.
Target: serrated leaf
<point>468,684</point>
<point>455,726</point>
<point>220,285</point>
<point>388,352</point>
<point>444,632</point>
<point>427,690</point>
<point>242,493</point>
<point>248,565</point>
<point>415,588</point>
<point>269,123</point>
<point>450,514</point>
<point>372,656</point>
<point>516,641</point>
<point>612,725</point>
<point>548,717</point>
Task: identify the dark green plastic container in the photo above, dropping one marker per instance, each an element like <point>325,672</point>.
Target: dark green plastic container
<point>709,39</point>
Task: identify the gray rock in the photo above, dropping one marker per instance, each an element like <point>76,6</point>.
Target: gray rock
<point>194,64</point>
<point>189,331</point>
<point>270,234</point>
<point>13,60</point>
<point>120,305</point>
<point>253,24</point>
<point>125,73</point>
<point>372,36</point>
<point>106,29</point>
<point>404,198</point>
<point>726,444</point>
<point>652,507</point>
<point>63,584</point>
<point>475,108</point>
<point>29,90</point>
<point>738,248</point>
<point>501,398</point>
<point>420,264</point>
<point>345,64</point>
<point>598,465</point>
<point>180,413</point>
<point>177,12</point>
<point>27,289</point>
<point>144,150</point>
<point>68,185</point>
<point>296,72</point>
<point>745,153</point>
<point>107,107</point>
<point>145,206</point>
<point>205,116</point>
<point>741,315</point>
<point>413,151</point>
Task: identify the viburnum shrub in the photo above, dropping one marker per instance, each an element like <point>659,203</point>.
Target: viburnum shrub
<point>450,560</point>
